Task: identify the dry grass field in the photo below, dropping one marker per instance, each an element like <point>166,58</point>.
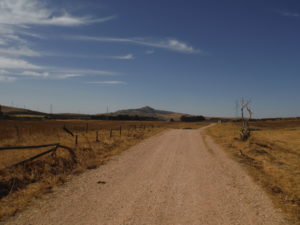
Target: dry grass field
<point>271,156</point>
<point>19,185</point>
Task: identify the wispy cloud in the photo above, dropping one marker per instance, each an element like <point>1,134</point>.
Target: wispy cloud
<point>36,12</point>
<point>87,72</point>
<point>288,13</point>
<point>119,57</point>
<point>12,63</point>
<point>149,52</point>
<point>7,78</point>
<point>19,51</point>
<point>35,74</point>
<point>112,82</point>
<point>66,76</point>
<point>17,17</point>
<point>3,72</point>
<point>124,57</point>
<point>67,20</point>
<point>168,44</point>
<point>50,73</point>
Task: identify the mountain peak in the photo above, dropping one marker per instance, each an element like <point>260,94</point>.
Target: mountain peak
<point>147,108</point>
<point>146,111</point>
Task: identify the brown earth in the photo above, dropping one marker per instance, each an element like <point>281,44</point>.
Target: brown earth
<point>178,177</point>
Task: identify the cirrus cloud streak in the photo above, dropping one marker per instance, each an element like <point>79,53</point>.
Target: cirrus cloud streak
<point>111,82</point>
<point>167,43</point>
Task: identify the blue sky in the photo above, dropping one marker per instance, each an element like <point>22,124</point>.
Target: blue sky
<point>191,56</point>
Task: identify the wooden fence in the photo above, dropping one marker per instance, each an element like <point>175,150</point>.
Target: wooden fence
<point>52,150</point>
<point>119,130</point>
<point>56,146</point>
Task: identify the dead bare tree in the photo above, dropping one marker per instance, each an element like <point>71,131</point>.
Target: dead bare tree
<point>245,130</point>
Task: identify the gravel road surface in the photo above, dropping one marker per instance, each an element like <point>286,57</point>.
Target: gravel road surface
<point>179,177</point>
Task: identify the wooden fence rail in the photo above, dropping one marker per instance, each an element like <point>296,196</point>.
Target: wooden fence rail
<point>68,131</point>
<point>26,147</point>
<point>34,157</point>
<point>52,150</point>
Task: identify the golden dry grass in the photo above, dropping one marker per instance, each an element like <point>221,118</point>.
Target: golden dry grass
<point>272,158</point>
<point>18,186</point>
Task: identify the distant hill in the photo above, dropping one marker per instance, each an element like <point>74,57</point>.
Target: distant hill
<point>14,112</point>
<point>18,111</point>
<point>147,111</point>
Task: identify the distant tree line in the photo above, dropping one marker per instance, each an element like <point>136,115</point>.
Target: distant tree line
<point>101,117</point>
<point>67,117</point>
<point>2,115</point>
<point>192,118</point>
<point>81,117</point>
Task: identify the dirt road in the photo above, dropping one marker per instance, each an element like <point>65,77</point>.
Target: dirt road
<point>179,177</point>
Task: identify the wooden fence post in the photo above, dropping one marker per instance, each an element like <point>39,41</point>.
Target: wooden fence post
<point>68,131</point>
<point>120,130</point>
<point>97,136</point>
<point>76,139</point>
<point>18,133</point>
<point>87,128</point>
<point>110,134</point>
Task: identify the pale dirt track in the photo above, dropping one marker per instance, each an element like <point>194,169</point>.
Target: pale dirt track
<point>177,178</point>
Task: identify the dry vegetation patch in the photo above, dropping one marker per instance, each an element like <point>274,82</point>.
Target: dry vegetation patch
<point>271,156</point>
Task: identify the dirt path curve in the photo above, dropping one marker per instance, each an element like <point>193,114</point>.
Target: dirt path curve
<point>177,178</point>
